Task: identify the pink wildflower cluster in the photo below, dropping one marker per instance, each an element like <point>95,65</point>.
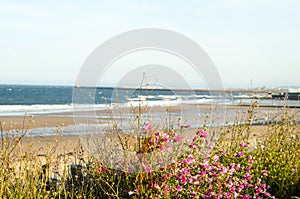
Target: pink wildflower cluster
<point>208,175</point>
<point>163,140</point>
<point>199,172</point>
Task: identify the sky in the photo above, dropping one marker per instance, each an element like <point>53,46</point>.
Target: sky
<point>46,42</point>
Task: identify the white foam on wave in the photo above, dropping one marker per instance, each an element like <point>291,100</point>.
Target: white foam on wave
<point>21,110</point>
<point>16,110</point>
<point>40,109</point>
<point>151,103</point>
<point>165,102</point>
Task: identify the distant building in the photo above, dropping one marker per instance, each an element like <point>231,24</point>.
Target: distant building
<point>294,90</point>
<point>290,94</point>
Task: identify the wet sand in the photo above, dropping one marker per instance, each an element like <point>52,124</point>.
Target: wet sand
<point>67,118</point>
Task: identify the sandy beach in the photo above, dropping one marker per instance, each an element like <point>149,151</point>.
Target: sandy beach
<point>67,118</point>
<point>68,143</point>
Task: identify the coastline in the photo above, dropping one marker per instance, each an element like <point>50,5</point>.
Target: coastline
<point>88,117</point>
<point>64,120</point>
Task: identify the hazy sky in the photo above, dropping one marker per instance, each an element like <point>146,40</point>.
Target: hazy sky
<point>46,42</point>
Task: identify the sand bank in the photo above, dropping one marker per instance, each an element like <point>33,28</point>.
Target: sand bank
<point>66,118</point>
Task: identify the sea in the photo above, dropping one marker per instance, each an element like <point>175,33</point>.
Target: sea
<point>33,100</point>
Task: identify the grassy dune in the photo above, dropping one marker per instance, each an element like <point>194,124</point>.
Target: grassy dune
<point>245,161</point>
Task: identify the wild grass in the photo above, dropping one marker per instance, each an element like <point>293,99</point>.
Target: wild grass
<point>164,162</point>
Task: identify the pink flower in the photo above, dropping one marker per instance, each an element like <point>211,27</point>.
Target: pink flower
<point>193,145</point>
<point>183,179</point>
<point>185,171</point>
<point>178,139</point>
<point>232,170</point>
<point>205,164</point>
<point>160,161</point>
<point>193,193</point>
<point>156,139</point>
<point>191,161</point>
<point>248,176</point>
<point>187,126</point>
<point>246,197</point>
<point>161,148</point>
<point>223,170</point>
<point>240,188</point>
<point>203,173</point>
<point>243,145</point>
<point>258,191</point>
<point>147,127</point>
<point>240,154</point>
<point>223,152</point>
<point>184,162</point>
<point>267,194</point>
<point>179,188</point>
<point>148,170</point>
<point>103,170</point>
<point>265,172</point>
<point>166,137</point>
<point>179,123</point>
<point>235,194</point>
<point>130,169</point>
<point>157,134</point>
<point>166,190</point>
<point>151,143</point>
<point>216,157</point>
<point>168,145</point>
<point>258,181</point>
<point>202,133</point>
<point>250,159</point>
<point>190,156</point>
<point>195,138</point>
<point>232,189</point>
<point>156,186</point>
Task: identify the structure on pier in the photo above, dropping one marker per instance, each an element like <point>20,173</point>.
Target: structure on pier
<point>290,94</point>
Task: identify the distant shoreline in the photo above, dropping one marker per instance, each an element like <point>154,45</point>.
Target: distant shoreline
<point>227,90</point>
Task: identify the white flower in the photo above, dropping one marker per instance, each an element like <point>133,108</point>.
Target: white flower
<point>131,192</point>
